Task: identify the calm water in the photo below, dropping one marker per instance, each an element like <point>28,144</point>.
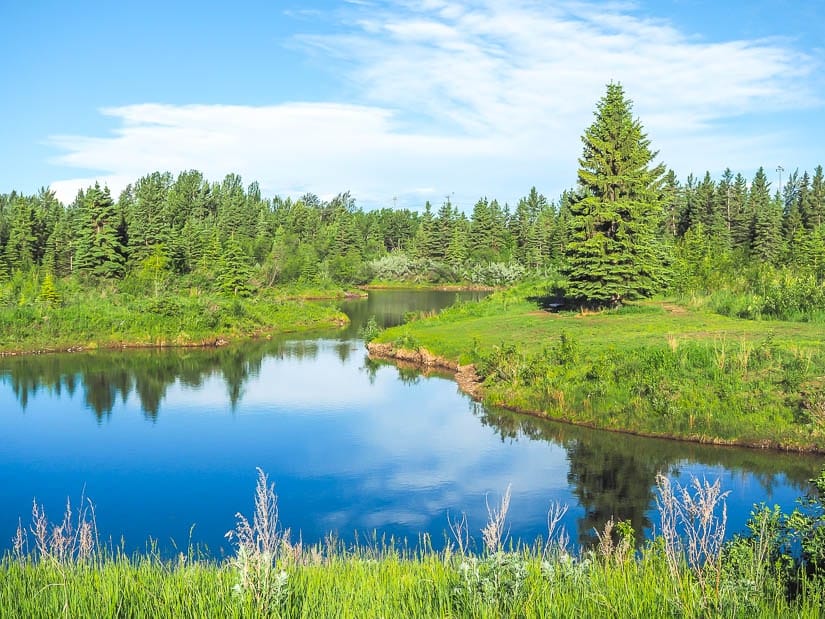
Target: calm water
<point>164,441</point>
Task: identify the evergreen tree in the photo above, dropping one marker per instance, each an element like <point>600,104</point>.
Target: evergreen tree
<point>443,231</point>
<point>767,219</point>
<point>234,271</point>
<point>100,250</point>
<point>724,203</point>
<point>146,214</point>
<point>804,203</point>
<point>741,215</point>
<point>425,238</point>
<point>457,249</point>
<point>60,247</point>
<point>48,292</point>
<point>614,253</point>
<point>673,196</point>
<point>690,214</point>
<point>482,231</point>
<point>816,217</point>
<point>20,246</point>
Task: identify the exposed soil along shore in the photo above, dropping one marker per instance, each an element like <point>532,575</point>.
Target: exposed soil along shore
<point>470,383</point>
<point>465,375</point>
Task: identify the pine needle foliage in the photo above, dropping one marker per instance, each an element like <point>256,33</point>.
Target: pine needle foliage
<point>614,252</point>
<point>48,291</point>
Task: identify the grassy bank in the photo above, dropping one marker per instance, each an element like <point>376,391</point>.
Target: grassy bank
<point>653,368</point>
<point>360,585</point>
<point>687,571</point>
<point>109,318</point>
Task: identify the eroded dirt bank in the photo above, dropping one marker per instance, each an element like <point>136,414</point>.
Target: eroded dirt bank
<point>465,375</point>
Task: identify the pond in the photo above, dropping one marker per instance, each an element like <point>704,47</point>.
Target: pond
<point>166,444</point>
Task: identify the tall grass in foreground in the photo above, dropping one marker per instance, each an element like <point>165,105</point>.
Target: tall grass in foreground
<point>684,572</point>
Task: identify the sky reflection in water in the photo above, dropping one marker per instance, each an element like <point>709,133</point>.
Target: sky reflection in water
<point>164,440</point>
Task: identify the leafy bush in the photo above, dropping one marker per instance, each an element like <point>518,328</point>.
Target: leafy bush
<point>370,330</point>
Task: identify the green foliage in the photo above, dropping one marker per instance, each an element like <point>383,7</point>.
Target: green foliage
<point>369,331</point>
<point>497,581</point>
<point>614,253</point>
<point>806,525</point>
<point>110,317</point>
<point>233,271</point>
<point>100,250</point>
<point>48,291</point>
<point>652,368</point>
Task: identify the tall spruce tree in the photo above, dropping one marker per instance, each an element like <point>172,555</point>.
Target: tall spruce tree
<point>767,219</point>
<point>100,248</point>
<point>614,252</point>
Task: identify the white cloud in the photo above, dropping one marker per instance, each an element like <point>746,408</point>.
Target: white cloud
<point>474,97</point>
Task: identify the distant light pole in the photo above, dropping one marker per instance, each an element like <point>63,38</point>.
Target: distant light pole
<point>779,170</point>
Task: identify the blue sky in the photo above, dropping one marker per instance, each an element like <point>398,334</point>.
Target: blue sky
<point>413,100</point>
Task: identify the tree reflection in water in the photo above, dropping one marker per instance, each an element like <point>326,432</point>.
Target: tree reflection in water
<point>614,475</point>
<point>107,375</point>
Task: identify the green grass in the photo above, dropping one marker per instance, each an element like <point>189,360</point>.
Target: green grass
<point>107,318</point>
<point>653,368</point>
<point>363,584</point>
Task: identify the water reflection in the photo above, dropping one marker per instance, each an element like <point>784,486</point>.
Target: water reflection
<point>352,444</point>
<point>107,375</point>
<point>613,475</point>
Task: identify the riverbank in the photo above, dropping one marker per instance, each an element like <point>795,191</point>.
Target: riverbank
<point>109,319</point>
<point>653,369</point>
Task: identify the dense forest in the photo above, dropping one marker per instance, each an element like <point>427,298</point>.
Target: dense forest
<point>227,236</point>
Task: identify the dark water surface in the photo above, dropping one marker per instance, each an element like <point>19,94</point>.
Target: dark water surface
<point>164,441</point>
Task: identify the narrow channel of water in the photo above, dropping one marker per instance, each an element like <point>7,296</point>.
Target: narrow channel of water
<point>166,444</point>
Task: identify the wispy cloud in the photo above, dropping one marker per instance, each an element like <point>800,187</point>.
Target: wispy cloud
<point>473,97</point>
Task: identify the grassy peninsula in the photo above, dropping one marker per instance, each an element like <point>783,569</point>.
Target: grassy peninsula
<point>654,367</point>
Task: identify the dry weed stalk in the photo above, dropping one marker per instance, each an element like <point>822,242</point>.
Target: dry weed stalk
<point>693,511</point>
<point>259,547</point>
<point>495,532</point>
<point>67,542</point>
<point>20,541</point>
<point>460,531</point>
<point>608,548</point>
<point>557,537</point>
<point>745,351</point>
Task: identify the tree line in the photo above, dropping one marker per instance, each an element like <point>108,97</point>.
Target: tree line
<point>628,229</point>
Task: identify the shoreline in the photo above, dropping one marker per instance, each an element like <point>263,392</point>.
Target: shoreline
<point>212,341</point>
<point>468,382</point>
